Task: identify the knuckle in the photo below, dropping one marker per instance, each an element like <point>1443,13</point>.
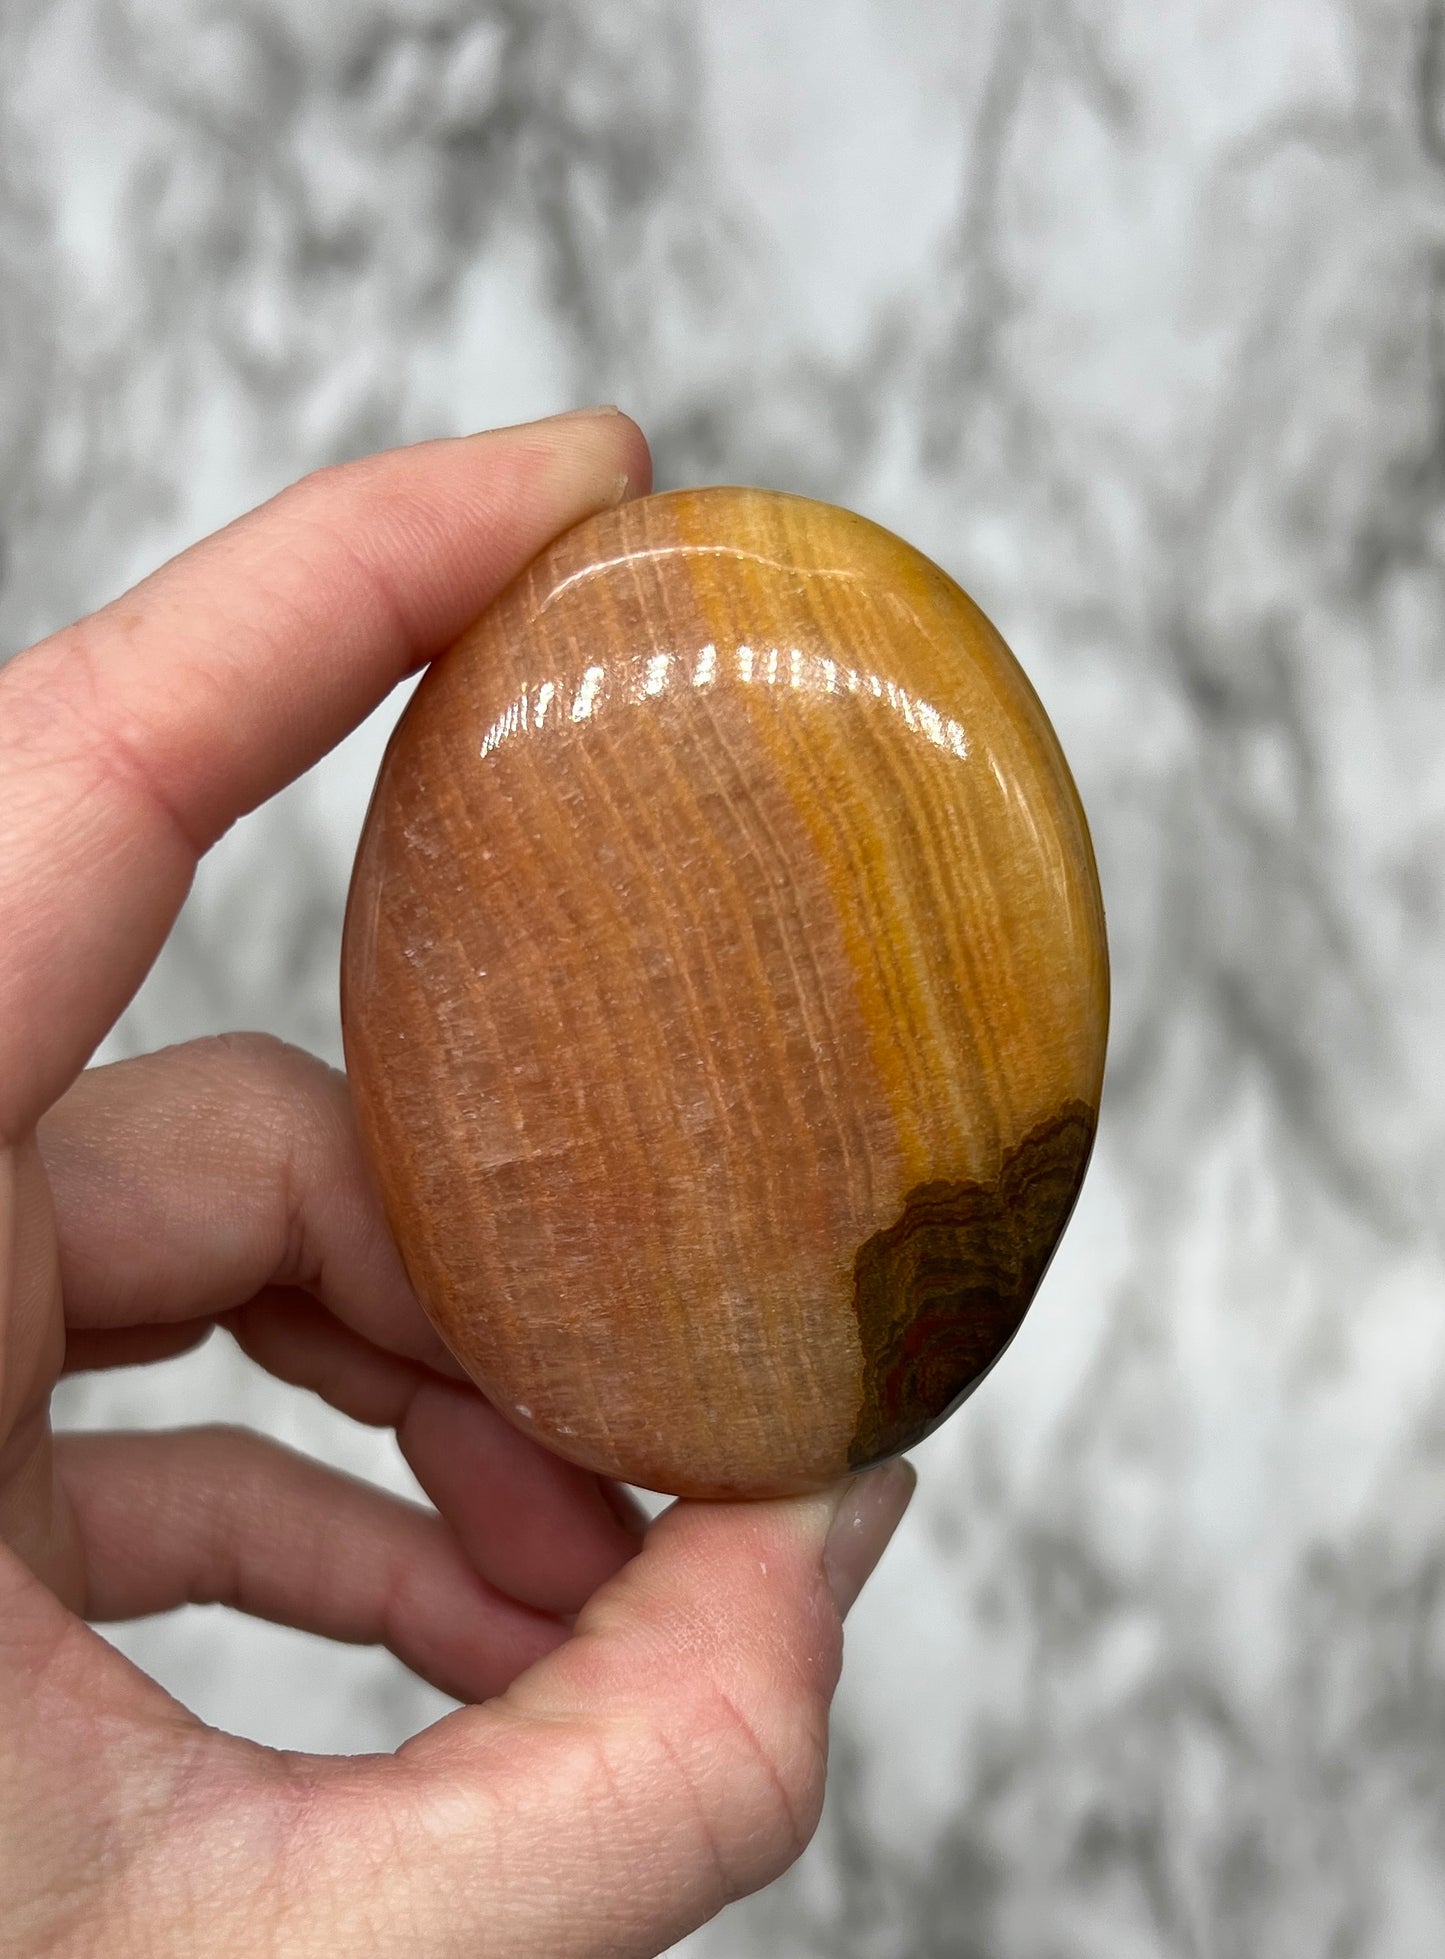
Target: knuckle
<point>296,1113</point>
<point>294,1093</point>
<point>754,1765</point>
<point>48,707</point>
<point>268,1058</point>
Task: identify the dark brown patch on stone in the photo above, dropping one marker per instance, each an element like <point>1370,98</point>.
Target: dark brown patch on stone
<point>940,1293</point>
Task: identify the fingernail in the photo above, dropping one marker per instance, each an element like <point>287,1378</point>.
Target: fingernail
<point>599,408</point>
<point>868,1513</point>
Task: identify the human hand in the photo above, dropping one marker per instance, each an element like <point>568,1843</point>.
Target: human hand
<point>637,1768</point>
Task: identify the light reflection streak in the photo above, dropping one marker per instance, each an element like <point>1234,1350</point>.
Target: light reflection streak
<point>650,676</point>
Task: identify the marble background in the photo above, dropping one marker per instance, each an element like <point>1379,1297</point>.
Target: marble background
<point>1134,317</point>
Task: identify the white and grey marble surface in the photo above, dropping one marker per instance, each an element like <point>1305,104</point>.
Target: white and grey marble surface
<point>1134,317</point>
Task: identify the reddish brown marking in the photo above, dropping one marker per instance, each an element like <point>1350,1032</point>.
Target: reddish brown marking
<point>940,1293</point>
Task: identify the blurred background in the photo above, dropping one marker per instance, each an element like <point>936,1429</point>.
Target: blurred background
<point>1134,318</point>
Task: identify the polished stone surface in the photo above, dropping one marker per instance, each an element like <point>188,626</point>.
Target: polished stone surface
<point>724,993</point>
<point>1130,316</point>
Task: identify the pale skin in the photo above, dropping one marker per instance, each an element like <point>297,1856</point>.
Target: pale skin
<point>645,1725</point>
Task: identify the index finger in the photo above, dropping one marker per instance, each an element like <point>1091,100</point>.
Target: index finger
<point>131,741</point>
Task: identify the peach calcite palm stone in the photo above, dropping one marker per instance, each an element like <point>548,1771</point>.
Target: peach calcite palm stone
<point>725,994</point>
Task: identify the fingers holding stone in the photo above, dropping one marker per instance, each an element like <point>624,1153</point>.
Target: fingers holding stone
<point>130,742</point>
<point>541,1529</point>
<point>675,1745</point>
<point>223,1180</point>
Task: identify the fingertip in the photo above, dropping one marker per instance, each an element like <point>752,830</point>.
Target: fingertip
<point>543,1530</point>
<point>638,480</point>
<point>592,458</point>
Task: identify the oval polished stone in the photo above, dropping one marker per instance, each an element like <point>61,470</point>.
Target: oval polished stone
<point>725,994</point>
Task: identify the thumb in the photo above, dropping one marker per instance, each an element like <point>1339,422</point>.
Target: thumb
<point>668,1759</point>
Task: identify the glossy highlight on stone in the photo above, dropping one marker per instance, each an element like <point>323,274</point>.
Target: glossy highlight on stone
<point>725,994</point>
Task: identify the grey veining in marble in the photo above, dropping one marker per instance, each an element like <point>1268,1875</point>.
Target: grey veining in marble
<point>1134,317</point>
